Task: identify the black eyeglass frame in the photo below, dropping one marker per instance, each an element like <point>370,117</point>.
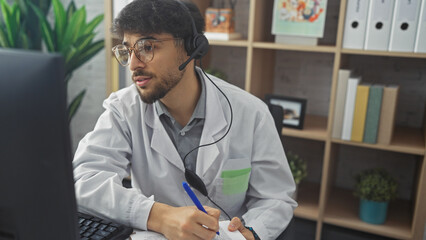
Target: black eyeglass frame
<point>135,50</point>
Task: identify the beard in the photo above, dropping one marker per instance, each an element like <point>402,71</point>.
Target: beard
<point>160,85</point>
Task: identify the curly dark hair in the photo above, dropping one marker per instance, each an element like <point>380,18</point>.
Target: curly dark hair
<point>147,17</point>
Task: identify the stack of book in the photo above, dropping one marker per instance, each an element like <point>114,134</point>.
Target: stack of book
<point>364,112</point>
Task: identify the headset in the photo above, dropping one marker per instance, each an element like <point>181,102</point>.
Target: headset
<point>197,46</point>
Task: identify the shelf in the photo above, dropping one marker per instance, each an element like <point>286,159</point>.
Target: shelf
<point>314,127</point>
<point>405,140</point>
<point>303,48</point>
<point>231,43</point>
<point>342,210</point>
<point>384,53</point>
<point>308,200</point>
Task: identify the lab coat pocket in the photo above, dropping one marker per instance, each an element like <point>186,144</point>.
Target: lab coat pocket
<point>235,181</point>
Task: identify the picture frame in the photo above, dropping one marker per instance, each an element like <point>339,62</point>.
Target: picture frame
<point>294,109</point>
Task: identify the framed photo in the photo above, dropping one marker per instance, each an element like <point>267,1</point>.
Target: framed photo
<point>293,109</point>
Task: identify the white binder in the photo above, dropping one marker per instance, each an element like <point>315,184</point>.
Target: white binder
<point>404,25</point>
<point>379,25</point>
<point>355,24</point>
<point>420,45</point>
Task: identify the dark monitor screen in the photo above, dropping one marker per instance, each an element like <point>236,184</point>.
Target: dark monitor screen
<point>37,199</point>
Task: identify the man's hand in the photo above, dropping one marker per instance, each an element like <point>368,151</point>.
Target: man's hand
<point>183,222</point>
<point>236,224</point>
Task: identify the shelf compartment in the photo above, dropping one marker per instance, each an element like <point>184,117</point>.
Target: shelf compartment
<point>230,43</point>
<point>405,140</point>
<point>314,127</point>
<point>384,53</point>
<point>308,200</point>
<point>302,48</point>
<point>342,210</point>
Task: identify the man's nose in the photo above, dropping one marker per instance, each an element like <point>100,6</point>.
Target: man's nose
<point>135,63</point>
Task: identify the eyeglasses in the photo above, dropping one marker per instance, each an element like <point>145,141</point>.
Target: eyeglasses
<point>143,49</point>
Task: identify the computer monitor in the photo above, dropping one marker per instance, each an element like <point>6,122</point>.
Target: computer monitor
<point>37,198</point>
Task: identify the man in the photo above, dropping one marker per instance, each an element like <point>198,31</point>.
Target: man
<point>152,130</point>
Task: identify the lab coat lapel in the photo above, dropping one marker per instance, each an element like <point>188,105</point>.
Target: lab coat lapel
<point>160,141</point>
<point>214,127</point>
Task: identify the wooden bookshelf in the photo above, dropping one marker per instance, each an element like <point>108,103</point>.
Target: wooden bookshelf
<point>315,128</point>
<point>308,200</point>
<point>323,202</point>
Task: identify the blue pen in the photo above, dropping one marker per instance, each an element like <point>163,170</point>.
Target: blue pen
<point>194,198</point>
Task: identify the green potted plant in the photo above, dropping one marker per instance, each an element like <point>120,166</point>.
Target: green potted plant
<point>72,37</point>
<point>70,34</point>
<point>375,188</point>
<point>298,168</point>
<point>217,73</point>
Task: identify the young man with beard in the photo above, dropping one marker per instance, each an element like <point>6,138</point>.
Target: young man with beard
<point>152,130</point>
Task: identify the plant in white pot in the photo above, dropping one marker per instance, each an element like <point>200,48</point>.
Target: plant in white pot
<point>298,168</point>
<point>375,188</point>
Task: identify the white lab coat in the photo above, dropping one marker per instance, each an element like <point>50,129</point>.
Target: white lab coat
<point>130,139</point>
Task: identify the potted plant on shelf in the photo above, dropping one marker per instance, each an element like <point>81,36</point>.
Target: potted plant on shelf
<point>298,168</point>
<point>375,188</point>
<point>217,73</point>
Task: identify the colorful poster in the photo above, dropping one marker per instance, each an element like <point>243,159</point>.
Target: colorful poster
<point>305,18</point>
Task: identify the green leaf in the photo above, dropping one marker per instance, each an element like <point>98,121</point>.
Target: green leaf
<point>7,12</point>
<point>14,25</point>
<point>46,30</point>
<point>80,45</point>
<point>60,21</point>
<point>23,39</point>
<point>3,39</point>
<point>73,28</point>
<point>92,24</point>
<point>75,104</point>
<point>71,51</point>
<point>23,6</point>
<point>70,10</point>
<point>83,41</point>
<point>87,54</point>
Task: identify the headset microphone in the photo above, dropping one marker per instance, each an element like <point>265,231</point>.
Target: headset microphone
<point>193,55</point>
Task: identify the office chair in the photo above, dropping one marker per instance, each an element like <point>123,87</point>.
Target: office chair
<point>277,113</point>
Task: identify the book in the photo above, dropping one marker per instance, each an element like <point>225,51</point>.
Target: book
<point>373,114</point>
<point>348,115</point>
<point>299,18</point>
<point>339,107</point>
<point>360,112</point>
<point>387,114</point>
<point>222,36</point>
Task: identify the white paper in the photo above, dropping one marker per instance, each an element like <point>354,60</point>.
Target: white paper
<point>225,234</point>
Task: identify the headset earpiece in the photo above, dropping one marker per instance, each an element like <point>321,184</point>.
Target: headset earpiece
<point>196,46</point>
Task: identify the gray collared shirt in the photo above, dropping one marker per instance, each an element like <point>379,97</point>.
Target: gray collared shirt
<point>188,137</point>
